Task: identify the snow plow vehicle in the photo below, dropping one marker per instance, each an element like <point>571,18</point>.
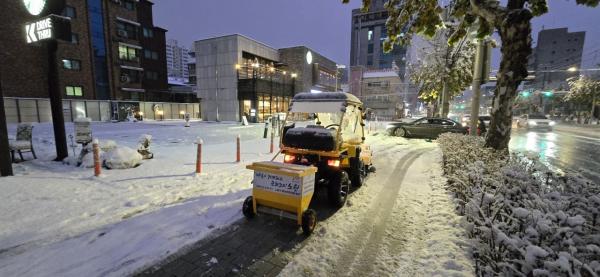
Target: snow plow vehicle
<point>326,130</point>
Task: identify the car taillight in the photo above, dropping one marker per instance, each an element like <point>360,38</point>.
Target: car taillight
<point>334,163</point>
<point>289,158</point>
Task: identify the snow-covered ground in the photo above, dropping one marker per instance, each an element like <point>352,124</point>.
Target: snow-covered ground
<point>59,220</point>
<point>401,223</point>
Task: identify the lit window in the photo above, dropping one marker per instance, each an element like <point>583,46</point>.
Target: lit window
<point>74,91</point>
<point>370,35</point>
<point>128,53</point>
<point>71,64</point>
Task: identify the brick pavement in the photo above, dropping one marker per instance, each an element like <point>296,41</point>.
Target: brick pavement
<point>259,247</point>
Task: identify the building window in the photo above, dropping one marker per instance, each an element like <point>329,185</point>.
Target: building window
<point>151,75</point>
<point>74,38</point>
<point>151,55</point>
<point>370,48</point>
<point>71,64</point>
<point>129,76</point>
<point>128,53</point>
<point>127,30</point>
<point>128,5</point>
<point>69,12</point>
<point>370,35</point>
<point>74,91</point>
<point>369,60</point>
<point>148,33</point>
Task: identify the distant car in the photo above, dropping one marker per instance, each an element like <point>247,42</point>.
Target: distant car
<point>535,122</point>
<point>465,120</point>
<point>427,127</point>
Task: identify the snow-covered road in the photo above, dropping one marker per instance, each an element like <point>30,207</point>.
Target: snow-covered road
<point>402,223</point>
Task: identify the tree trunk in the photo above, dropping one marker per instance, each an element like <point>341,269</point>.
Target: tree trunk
<point>515,33</point>
<point>445,101</point>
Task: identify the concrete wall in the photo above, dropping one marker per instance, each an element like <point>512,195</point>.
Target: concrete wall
<point>218,56</point>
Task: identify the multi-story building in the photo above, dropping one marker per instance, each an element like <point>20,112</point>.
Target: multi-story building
<point>238,76</point>
<point>177,60</point>
<point>368,33</point>
<point>380,91</point>
<point>115,55</point>
<point>556,51</point>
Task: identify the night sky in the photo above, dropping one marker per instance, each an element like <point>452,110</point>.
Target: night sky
<point>324,25</point>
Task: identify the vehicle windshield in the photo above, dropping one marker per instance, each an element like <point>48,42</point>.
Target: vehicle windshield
<point>303,119</point>
<point>537,116</point>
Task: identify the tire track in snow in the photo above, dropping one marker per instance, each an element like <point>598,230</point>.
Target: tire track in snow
<point>361,254</point>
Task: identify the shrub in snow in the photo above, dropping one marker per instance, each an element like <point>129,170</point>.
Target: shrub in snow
<point>121,158</point>
<point>144,147</point>
<point>524,219</point>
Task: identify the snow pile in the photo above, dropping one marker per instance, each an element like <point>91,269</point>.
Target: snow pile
<point>524,219</point>
<point>122,157</point>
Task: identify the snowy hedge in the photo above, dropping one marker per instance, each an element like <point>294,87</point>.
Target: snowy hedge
<point>524,220</point>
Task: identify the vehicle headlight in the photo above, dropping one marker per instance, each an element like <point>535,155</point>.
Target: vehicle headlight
<point>464,124</point>
<point>531,122</point>
<point>552,123</point>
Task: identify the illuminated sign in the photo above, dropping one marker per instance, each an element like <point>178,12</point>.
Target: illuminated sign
<point>309,57</point>
<point>48,28</point>
<point>34,7</point>
<point>44,7</point>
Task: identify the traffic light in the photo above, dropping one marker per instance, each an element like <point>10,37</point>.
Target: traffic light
<point>548,93</point>
<point>525,93</point>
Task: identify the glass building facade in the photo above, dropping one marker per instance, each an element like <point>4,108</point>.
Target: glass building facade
<point>99,49</point>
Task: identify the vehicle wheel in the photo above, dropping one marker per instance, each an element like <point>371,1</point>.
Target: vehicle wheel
<point>358,173</point>
<point>248,209</point>
<point>338,189</point>
<point>400,132</point>
<point>309,221</point>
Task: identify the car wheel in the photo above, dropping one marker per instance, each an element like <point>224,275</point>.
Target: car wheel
<point>400,132</point>
<point>309,221</point>
<point>248,209</point>
<point>338,189</point>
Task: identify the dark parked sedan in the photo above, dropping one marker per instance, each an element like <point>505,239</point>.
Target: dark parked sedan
<point>426,127</point>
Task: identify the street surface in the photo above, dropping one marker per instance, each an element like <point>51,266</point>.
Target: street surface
<point>566,148</point>
<point>401,223</point>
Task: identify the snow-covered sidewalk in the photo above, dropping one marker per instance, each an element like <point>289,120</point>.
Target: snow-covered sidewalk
<point>402,223</point>
<point>59,220</point>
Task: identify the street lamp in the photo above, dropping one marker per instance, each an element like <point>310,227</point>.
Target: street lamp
<point>294,75</point>
<point>572,69</point>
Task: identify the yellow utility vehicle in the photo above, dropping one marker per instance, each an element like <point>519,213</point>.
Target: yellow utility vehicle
<point>326,130</point>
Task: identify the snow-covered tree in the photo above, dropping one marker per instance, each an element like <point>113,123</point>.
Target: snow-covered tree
<point>511,19</point>
<point>583,91</point>
<point>447,65</point>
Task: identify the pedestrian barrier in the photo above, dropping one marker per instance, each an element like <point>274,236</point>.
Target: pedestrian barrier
<point>238,152</point>
<point>199,156</point>
<point>96,149</point>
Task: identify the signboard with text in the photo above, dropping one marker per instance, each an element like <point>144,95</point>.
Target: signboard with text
<point>48,28</point>
<point>295,186</point>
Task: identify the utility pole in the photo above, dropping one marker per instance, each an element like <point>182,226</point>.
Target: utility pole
<point>5,161</point>
<point>477,80</point>
<point>56,106</point>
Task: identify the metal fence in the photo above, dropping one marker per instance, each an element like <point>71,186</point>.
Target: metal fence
<point>38,110</point>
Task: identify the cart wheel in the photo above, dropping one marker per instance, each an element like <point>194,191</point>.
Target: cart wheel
<point>309,221</point>
<point>338,189</point>
<point>247,208</point>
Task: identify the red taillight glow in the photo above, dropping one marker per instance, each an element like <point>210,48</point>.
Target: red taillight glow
<point>289,158</point>
<point>334,163</point>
